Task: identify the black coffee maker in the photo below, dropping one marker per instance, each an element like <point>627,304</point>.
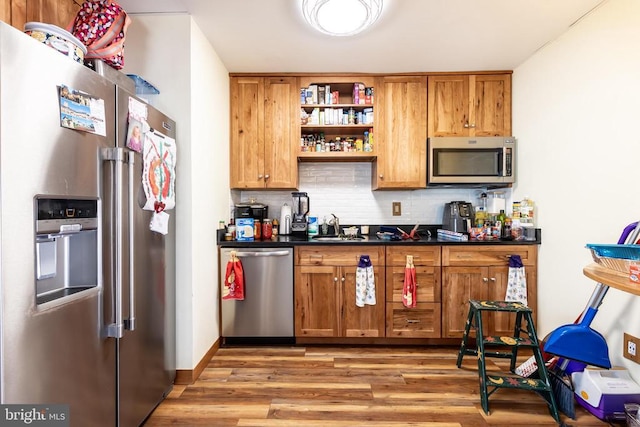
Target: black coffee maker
<point>251,209</point>
<point>299,224</point>
<point>458,216</point>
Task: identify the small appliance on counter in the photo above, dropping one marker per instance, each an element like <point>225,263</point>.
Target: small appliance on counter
<point>252,209</point>
<point>285,220</point>
<point>457,216</point>
<point>299,224</point>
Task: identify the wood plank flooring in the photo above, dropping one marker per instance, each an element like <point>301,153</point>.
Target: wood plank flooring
<point>349,386</point>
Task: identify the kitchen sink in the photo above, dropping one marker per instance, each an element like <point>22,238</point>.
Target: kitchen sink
<point>336,238</point>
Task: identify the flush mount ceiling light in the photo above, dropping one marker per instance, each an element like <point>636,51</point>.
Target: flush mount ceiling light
<point>341,17</point>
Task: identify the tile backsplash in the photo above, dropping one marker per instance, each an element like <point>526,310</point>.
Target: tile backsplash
<point>344,189</point>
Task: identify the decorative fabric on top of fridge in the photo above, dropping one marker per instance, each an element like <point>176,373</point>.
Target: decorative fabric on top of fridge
<point>102,26</point>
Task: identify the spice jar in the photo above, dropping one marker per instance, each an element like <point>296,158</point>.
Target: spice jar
<point>257,230</point>
<point>267,229</point>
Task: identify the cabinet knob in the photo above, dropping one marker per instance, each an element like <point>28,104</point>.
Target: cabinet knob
<point>343,279</point>
<point>381,176</point>
<point>266,177</point>
<point>473,125</point>
<point>493,279</point>
<point>335,279</point>
<point>485,280</point>
<point>412,321</point>
<point>260,176</point>
<point>466,125</point>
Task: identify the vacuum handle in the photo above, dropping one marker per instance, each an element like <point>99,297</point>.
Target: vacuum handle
<point>627,230</point>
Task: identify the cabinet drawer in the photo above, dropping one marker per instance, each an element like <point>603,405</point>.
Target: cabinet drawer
<point>423,321</point>
<point>427,284</point>
<point>338,255</point>
<point>487,255</point>
<point>422,255</point>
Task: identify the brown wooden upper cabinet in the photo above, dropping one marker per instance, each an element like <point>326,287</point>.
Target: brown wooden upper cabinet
<point>401,138</point>
<point>265,132</point>
<point>57,12</point>
<point>469,105</point>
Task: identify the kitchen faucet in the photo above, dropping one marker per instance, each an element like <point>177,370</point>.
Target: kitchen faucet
<point>336,224</point>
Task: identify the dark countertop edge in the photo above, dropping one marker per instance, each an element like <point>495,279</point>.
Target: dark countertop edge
<point>286,241</point>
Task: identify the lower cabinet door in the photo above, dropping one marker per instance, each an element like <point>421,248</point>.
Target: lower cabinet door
<point>316,301</point>
<point>366,321</point>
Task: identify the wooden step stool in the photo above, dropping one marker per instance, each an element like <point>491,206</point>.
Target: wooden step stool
<point>540,385</point>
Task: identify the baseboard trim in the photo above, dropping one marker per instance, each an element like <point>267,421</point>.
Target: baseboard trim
<point>189,376</point>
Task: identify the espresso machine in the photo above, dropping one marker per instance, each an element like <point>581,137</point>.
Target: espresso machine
<point>458,216</point>
<point>299,225</point>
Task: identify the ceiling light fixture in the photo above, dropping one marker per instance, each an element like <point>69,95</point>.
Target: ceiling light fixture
<point>341,17</point>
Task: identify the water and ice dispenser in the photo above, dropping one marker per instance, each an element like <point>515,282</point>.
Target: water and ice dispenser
<point>66,245</point>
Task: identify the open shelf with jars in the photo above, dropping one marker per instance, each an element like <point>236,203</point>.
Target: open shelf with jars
<point>336,118</point>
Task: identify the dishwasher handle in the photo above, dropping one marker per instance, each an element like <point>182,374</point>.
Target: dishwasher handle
<point>263,254</point>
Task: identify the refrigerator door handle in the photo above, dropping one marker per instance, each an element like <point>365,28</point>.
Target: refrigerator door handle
<point>130,323</point>
<point>116,155</point>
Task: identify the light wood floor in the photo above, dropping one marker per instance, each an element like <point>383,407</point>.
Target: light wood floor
<point>351,386</point>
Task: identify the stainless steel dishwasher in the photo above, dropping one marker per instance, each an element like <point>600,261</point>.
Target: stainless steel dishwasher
<point>266,313</point>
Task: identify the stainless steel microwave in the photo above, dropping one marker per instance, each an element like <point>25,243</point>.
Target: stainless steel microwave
<point>466,160</point>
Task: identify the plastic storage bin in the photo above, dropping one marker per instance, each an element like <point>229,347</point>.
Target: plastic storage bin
<point>144,89</point>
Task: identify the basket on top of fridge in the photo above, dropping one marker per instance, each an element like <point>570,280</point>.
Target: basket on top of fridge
<point>615,257</point>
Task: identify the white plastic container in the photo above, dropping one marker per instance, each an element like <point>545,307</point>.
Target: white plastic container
<point>58,39</point>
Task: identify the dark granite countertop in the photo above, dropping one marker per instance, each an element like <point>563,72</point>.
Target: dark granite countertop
<point>372,239</point>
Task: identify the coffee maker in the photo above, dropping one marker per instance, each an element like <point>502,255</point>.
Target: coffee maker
<point>299,225</point>
<point>251,209</point>
<point>458,216</point>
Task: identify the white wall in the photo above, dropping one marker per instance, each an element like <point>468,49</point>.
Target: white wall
<point>576,105</point>
<point>209,183</point>
<point>170,52</point>
<point>345,190</point>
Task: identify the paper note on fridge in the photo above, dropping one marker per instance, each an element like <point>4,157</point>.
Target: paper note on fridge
<point>81,111</point>
<point>159,171</point>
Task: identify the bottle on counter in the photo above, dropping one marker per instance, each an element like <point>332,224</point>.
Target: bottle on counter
<point>267,229</point>
<point>274,229</point>
<point>506,229</point>
<point>257,229</point>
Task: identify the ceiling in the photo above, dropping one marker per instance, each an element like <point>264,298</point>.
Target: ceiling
<point>409,36</point>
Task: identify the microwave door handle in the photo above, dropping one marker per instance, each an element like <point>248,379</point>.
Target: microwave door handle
<point>507,162</point>
<point>503,154</point>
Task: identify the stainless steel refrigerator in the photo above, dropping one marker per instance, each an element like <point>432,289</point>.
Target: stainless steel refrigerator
<point>87,291</point>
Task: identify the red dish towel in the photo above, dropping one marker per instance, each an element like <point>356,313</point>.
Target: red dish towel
<point>233,287</point>
<point>409,288</point>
